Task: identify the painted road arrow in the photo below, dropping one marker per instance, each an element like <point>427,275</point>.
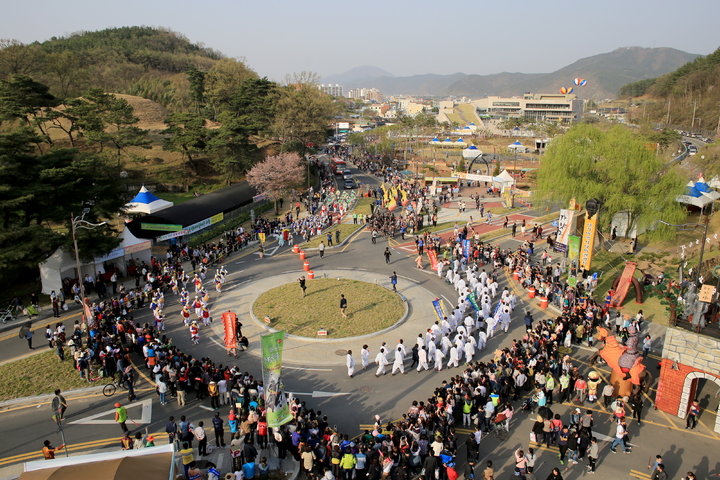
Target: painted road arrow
<point>319,394</point>
<point>145,415</point>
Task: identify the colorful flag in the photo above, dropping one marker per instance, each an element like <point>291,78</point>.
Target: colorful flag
<point>278,410</point>
<point>472,298</point>
<point>466,248</point>
<point>439,310</point>
<point>261,237</point>
<point>228,319</point>
<point>432,255</point>
<point>404,197</point>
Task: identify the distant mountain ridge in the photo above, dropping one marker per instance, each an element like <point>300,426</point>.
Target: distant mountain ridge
<point>605,72</point>
<point>356,75</point>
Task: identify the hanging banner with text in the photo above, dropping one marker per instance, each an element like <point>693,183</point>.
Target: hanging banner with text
<point>573,247</point>
<point>564,226</point>
<point>278,410</point>
<point>588,242</point>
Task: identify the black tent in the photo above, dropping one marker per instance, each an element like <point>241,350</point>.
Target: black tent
<point>196,210</point>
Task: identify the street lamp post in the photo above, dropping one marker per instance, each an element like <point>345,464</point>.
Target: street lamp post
<point>80,222</point>
<point>697,227</point>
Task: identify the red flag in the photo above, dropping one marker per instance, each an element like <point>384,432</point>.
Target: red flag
<point>432,255</point>
<point>228,319</point>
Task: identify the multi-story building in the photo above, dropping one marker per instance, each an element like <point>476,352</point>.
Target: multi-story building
<point>532,106</point>
<point>334,90</point>
<point>372,94</point>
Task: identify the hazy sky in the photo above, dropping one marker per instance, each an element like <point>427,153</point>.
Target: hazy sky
<point>404,37</point>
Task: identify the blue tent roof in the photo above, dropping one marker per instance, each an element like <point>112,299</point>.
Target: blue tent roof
<point>472,147</point>
<point>702,186</point>
<point>144,196</point>
<point>692,192</point>
<point>460,140</point>
<point>448,139</point>
<point>517,142</point>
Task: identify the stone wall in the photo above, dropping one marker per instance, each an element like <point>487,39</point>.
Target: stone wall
<point>686,358</point>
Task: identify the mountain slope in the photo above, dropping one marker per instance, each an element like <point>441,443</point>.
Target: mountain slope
<point>605,73</point>
<point>356,75</point>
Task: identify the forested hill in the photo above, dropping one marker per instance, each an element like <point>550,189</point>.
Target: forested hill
<point>693,89</point>
<point>143,61</point>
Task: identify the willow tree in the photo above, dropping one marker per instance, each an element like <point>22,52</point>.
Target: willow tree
<point>616,167</point>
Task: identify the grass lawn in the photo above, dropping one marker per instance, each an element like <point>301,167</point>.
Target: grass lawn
<point>363,205</point>
<point>39,374</point>
<point>611,265</point>
<point>346,229</point>
<point>370,308</point>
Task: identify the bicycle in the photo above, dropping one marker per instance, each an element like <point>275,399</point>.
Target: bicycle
<point>110,389</point>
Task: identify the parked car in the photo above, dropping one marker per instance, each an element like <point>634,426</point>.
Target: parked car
<point>349,184</point>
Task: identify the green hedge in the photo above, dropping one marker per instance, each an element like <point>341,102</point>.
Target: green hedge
<point>230,224</point>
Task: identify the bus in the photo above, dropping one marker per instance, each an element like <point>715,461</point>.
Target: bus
<point>337,166</point>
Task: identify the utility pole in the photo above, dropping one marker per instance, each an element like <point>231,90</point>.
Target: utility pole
<point>692,124</point>
<point>667,119</point>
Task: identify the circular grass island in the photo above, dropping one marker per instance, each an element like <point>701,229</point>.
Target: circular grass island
<point>371,308</point>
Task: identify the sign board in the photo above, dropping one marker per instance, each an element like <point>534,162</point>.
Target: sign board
<point>118,252</point>
<point>564,225</point>
<point>138,247</point>
<point>162,227</point>
<point>343,125</point>
<point>588,242</point>
<point>706,293</point>
<point>259,198</point>
<point>217,218</point>
<point>572,281</point>
<point>168,236</point>
<point>199,225</point>
<point>573,247</point>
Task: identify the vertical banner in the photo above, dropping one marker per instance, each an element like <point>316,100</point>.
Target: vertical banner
<point>588,242</point>
<point>432,255</point>
<point>466,248</point>
<point>278,410</point>
<point>89,316</point>
<point>439,310</point>
<point>472,298</point>
<point>573,247</point>
<point>261,237</point>
<point>404,197</point>
<point>564,226</point>
<point>228,319</point>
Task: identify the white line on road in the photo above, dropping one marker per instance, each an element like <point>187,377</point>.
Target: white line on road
<point>449,302</point>
<point>352,268</point>
<point>241,261</point>
<point>408,278</point>
<point>310,369</point>
<point>293,271</point>
<point>205,407</point>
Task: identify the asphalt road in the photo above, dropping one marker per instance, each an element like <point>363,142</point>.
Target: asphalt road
<point>350,403</point>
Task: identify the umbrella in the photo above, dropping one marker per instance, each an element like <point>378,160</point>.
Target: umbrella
<point>27,326</point>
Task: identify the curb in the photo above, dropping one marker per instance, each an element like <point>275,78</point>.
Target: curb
<point>329,339</point>
<point>47,397</point>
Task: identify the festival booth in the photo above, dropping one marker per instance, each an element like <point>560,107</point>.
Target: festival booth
<point>698,194</point>
<point>503,182</point>
<point>61,264</point>
<point>151,463</point>
<point>517,147</point>
<point>146,203</point>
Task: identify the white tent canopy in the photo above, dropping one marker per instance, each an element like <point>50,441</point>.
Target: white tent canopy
<point>61,264</point>
<point>58,266</point>
<point>697,194</point>
<point>145,202</point>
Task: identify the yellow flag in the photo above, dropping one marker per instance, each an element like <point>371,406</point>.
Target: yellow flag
<point>261,236</point>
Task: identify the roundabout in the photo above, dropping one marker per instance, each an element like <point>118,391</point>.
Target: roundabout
<point>371,308</point>
<point>415,314</point>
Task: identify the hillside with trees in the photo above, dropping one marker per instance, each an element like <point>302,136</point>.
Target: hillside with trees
<point>143,61</point>
<point>688,97</point>
<point>70,136</point>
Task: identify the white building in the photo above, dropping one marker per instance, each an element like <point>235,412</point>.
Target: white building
<point>549,107</point>
<point>334,90</point>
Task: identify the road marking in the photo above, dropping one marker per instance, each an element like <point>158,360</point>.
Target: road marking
<point>449,302</point>
<point>636,474</point>
<point>608,438</point>
<point>408,278</point>
<point>217,343</point>
<point>309,369</point>
<point>241,261</point>
<point>319,394</point>
<point>205,407</point>
<point>145,415</point>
